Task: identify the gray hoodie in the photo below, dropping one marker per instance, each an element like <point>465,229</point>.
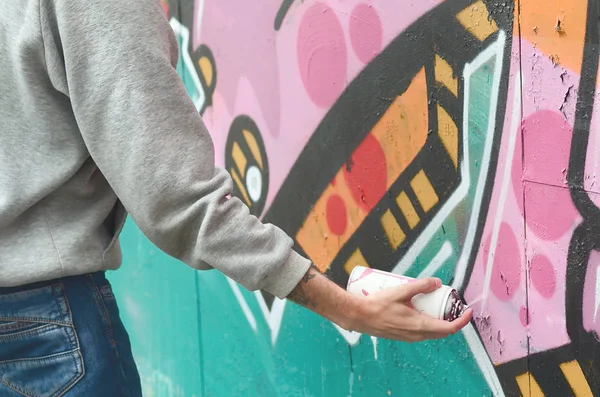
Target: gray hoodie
<point>96,123</point>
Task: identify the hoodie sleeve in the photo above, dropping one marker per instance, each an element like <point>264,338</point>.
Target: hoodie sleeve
<point>147,138</point>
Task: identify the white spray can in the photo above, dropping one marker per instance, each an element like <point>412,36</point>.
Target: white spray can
<point>444,303</point>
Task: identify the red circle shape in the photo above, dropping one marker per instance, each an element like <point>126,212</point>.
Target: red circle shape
<point>336,215</point>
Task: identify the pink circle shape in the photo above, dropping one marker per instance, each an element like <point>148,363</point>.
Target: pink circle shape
<point>523,316</point>
<point>322,55</point>
<point>547,139</point>
<point>366,32</point>
<point>550,210</point>
<point>543,276</point>
<point>506,271</point>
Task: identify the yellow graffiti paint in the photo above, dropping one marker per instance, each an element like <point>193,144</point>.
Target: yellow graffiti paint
<point>408,210</point>
<point>253,145</point>
<point>356,259</point>
<point>476,19</point>
<point>424,190</point>
<point>444,74</point>
<point>401,132</point>
<point>448,132</point>
<point>392,229</point>
<point>576,379</point>
<point>239,158</point>
<point>539,22</point>
<point>529,386</point>
<point>207,70</point>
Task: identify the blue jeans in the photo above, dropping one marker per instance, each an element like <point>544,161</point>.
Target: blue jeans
<point>65,338</point>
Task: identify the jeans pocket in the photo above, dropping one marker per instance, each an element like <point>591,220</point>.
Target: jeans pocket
<point>39,349</point>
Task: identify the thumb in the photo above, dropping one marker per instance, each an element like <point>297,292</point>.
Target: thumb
<point>423,286</point>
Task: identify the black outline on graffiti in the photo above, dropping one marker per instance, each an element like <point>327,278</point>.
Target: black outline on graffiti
<point>184,12</point>
<point>239,124</point>
<point>282,12</point>
<point>360,107</point>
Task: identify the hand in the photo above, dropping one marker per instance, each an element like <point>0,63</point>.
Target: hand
<point>389,314</point>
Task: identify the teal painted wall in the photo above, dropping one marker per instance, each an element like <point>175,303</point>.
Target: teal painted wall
<point>453,138</point>
<point>191,338</point>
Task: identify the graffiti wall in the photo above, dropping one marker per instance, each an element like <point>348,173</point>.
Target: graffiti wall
<point>454,138</point>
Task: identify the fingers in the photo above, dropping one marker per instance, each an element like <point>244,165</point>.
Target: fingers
<point>405,292</point>
<point>434,326</point>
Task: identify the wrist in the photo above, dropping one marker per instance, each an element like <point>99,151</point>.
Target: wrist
<point>353,312</point>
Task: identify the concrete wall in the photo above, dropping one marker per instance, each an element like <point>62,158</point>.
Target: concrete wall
<point>451,138</point>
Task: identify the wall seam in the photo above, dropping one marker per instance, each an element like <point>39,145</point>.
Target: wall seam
<point>527,265</point>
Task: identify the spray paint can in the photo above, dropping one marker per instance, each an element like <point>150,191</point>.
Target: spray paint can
<point>444,303</point>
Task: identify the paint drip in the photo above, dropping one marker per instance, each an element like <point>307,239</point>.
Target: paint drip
<point>444,303</point>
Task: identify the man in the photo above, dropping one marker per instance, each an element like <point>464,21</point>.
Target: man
<point>96,123</point>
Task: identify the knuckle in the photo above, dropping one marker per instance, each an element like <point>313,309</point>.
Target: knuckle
<point>420,324</point>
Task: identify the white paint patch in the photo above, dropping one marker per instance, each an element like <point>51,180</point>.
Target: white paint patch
<point>132,308</point>
<point>350,383</point>
<point>158,384</point>
<point>243,304</point>
<point>183,32</point>
<point>351,337</point>
<point>374,340</point>
<point>198,21</point>
<point>273,316</point>
<point>254,183</point>
<point>438,261</point>
<point>597,301</point>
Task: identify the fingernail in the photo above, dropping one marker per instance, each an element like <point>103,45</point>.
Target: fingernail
<point>438,282</point>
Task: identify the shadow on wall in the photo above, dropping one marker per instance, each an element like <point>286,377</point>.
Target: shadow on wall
<point>426,138</point>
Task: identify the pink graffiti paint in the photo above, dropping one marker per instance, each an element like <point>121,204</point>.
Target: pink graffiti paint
<point>241,37</point>
<point>536,187</point>
<point>280,105</point>
<point>507,270</point>
<point>543,219</point>
<point>543,275</point>
<point>366,32</point>
<point>547,139</point>
<point>322,54</point>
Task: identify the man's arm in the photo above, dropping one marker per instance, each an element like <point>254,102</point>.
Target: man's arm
<point>320,295</point>
<point>387,314</point>
<point>115,61</point>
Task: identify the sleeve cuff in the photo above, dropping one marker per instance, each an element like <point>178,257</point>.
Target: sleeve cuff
<point>291,272</point>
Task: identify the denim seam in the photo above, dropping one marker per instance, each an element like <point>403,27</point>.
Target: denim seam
<point>108,323</point>
<point>62,390</point>
<point>79,363</point>
<point>16,389</point>
<point>13,326</point>
<point>34,331</point>
<point>35,320</point>
<point>104,310</point>
<point>39,359</point>
<point>58,292</point>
